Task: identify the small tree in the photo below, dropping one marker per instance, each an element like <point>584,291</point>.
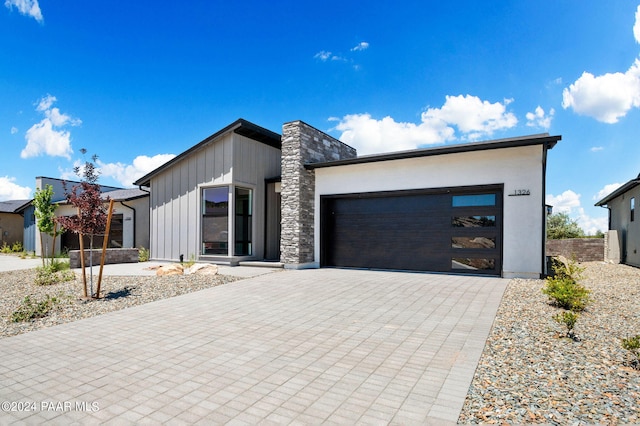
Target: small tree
<point>45,212</point>
<point>560,226</point>
<point>91,219</point>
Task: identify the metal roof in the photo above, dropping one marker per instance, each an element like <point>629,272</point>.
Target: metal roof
<point>540,139</point>
<point>618,192</point>
<point>240,126</point>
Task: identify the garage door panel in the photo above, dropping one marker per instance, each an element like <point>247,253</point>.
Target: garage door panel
<point>419,231</point>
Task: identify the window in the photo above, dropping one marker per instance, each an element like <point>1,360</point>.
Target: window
<point>243,213</point>
<point>473,200</point>
<point>473,264</point>
<point>215,220</point>
<point>473,221</point>
<point>473,242</point>
<point>633,208</point>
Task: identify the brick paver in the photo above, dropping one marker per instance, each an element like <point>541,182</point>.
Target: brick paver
<point>295,347</point>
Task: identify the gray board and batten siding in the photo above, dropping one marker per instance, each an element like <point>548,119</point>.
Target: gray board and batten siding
<point>227,158</point>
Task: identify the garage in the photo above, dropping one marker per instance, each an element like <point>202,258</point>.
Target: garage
<point>442,230</point>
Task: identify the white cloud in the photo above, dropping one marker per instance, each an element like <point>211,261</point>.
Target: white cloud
<point>14,130</point>
<point>608,189</point>
<point>26,7</point>
<point>370,136</point>
<point>46,102</point>
<point>361,46</point>
<point>596,148</point>
<point>48,136</point>
<point>565,202</point>
<point>569,202</point>
<point>636,26</point>
<point>126,174</point>
<point>323,55</point>
<point>9,190</point>
<point>607,97</point>
<point>473,118</point>
<point>539,118</point>
<point>591,225</point>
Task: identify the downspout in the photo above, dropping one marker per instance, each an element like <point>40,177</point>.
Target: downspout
<point>544,211</point>
<point>134,222</point>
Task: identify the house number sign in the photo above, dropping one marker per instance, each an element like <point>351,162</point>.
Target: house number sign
<point>520,193</point>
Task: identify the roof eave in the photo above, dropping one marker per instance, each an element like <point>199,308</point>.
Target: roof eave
<point>543,139</point>
<point>618,192</point>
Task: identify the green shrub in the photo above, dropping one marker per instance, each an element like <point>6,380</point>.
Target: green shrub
<point>17,247</point>
<point>32,309</point>
<point>632,344</point>
<point>569,319</point>
<point>566,268</point>
<point>143,254</point>
<point>5,248</point>
<point>566,293</point>
<point>53,273</point>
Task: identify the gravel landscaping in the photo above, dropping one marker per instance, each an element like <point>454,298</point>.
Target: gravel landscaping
<point>530,373</point>
<point>118,293</point>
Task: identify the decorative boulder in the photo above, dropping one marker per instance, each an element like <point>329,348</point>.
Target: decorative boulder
<point>173,269</point>
<point>203,269</point>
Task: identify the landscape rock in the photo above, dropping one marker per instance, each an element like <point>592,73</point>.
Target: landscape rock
<point>173,269</point>
<point>202,269</point>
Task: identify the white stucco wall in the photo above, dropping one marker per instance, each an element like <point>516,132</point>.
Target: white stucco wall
<point>519,168</point>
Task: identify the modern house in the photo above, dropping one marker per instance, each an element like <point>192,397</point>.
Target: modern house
<point>621,204</point>
<point>130,221</point>
<point>307,200</point>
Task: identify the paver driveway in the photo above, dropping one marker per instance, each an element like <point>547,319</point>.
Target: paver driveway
<point>301,347</point>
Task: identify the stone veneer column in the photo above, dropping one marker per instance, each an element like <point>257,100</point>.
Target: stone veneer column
<point>302,144</point>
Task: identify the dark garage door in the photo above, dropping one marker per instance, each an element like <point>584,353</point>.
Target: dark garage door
<point>444,230</point>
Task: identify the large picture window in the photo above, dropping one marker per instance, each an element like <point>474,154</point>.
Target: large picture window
<point>215,220</point>
<point>243,218</point>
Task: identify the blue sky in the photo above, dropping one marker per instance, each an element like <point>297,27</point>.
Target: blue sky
<point>139,82</point>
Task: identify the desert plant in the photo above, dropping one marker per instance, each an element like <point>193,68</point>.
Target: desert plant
<point>17,247</point>
<point>569,319</point>
<point>143,254</point>
<point>566,268</point>
<point>565,293</point>
<point>32,309</point>
<point>53,273</point>
<point>632,344</point>
<point>190,262</point>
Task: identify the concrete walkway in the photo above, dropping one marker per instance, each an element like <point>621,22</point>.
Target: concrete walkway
<point>296,347</point>
<point>10,262</point>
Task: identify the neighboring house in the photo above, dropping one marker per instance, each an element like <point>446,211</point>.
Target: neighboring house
<point>623,218</point>
<point>306,199</point>
<point>11,221</point>
<point>130,222</point>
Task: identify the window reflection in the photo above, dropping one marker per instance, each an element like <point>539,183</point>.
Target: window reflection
<point>473,242</point>
<point>473,264</point>
<point>473,221</point>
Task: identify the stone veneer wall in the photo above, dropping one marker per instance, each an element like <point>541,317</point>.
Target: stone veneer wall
<point>302,144</point>
<point>113,255</point>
